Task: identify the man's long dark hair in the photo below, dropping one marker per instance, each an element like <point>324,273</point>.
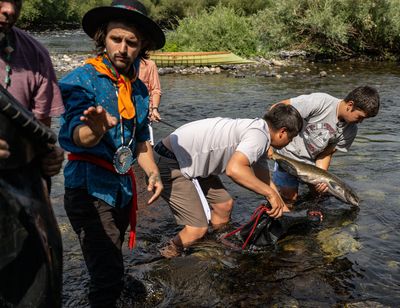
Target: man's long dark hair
<point>100,39</point>
<point>284,116</point>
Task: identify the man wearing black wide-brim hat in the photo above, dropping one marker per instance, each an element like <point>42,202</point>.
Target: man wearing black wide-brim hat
<point>105,128</point>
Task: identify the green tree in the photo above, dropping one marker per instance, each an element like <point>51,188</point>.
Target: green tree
<point>43,11</point>
<point>50,13</point>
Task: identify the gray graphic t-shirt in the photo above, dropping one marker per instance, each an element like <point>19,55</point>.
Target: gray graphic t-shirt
<point>204,147</point>
<point>321,128</point>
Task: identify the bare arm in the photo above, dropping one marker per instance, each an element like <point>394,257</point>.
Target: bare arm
<point>154,112</point>
<point>286,102</point>
<point>323,161</point>
<point>146,161</point>
<point>262,172</point>
<point>155,93</point>
<point>240,171</point>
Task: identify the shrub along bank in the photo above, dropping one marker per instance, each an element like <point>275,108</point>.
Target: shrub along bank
<point>331,28</point>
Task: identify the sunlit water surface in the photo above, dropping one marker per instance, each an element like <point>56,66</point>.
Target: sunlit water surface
<point>352,259</point>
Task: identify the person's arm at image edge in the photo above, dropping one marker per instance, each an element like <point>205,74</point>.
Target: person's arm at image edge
<point>240,171</point>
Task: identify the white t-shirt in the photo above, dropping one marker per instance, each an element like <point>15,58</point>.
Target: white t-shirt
<point>321,128</point>
<point>204,147</point>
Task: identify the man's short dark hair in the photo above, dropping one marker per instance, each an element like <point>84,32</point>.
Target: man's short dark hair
<point>282,115</point>
<point>366,99</point>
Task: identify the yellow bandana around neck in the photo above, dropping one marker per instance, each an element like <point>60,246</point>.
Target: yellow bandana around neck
<point>126,107</point>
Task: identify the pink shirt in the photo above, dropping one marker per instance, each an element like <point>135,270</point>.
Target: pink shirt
<point>33,80</point>
<point>148,73</point>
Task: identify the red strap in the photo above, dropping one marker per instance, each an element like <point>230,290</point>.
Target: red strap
<point>256,214</point>
<point>108,166</point>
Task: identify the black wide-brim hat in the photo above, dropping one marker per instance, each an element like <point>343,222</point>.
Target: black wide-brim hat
<point>132,11</point>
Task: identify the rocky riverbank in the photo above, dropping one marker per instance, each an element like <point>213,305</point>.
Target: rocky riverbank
<point>286,65</point>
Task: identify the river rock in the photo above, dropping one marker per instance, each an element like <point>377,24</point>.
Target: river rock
<point>323,74</point>
<point>64,63</point>
<point>394,265</point>
<point>292,53</point>
<point>366,304</point>
<point>266,74</point>
<point>277,62</point>
<point>336,242</point>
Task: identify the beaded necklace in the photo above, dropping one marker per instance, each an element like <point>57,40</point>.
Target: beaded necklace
<point>7,51</point>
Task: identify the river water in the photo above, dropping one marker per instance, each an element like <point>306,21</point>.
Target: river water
<point>352,259</point>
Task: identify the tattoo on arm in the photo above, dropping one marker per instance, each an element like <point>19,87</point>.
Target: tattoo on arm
<point>155,177</point>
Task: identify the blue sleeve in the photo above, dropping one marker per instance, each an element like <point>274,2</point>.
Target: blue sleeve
<point>142,108</point>
<point>144,133</point>
<point>77,96</point>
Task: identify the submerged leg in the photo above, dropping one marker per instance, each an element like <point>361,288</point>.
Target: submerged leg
<point>221,214</point>
<point>101,230</point>
<point>186,237</point>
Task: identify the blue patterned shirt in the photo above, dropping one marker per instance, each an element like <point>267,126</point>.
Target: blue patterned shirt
<point>85,87</point>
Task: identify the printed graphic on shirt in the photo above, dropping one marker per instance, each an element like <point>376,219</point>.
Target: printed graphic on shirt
<point>317,137</point>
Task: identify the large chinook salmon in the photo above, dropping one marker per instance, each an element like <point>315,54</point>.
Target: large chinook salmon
<point>313,175</point>
<point>30,240</point>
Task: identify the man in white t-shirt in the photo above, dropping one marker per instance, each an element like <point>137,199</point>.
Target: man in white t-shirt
<point>204,149</point>
<point>330,124</point>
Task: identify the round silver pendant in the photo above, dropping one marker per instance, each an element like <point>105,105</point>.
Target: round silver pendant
<point>123,160</point>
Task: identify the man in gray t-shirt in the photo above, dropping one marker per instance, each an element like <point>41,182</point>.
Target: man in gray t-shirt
<point>330,124</point>
<point>193,156</point>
